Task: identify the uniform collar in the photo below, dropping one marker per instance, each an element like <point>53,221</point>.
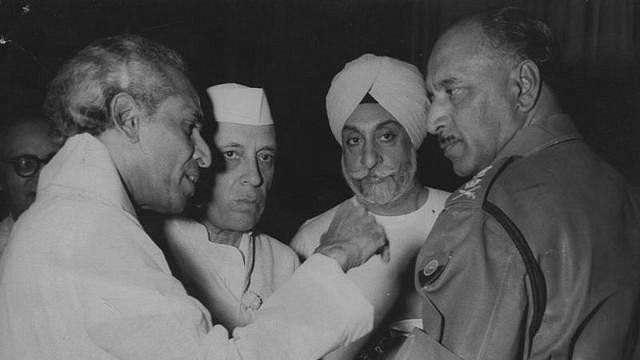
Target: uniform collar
<point>540,135</point>
<point>84,165</point>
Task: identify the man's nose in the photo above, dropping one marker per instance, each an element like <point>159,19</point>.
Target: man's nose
<point>370,156</point>
<point>437,116</point>
<point>201,153</point>
<point>251,173</point>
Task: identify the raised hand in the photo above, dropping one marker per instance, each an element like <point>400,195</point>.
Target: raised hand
<point>353,237</point>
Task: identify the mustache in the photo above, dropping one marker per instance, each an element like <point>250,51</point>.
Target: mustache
<point>369,173</point>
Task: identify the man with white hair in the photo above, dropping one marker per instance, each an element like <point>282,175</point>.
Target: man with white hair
<point>377,109</point>
<point>230,267</point>
<point>80,278</point>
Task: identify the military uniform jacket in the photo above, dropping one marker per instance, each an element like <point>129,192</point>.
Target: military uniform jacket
<point>581,221</point>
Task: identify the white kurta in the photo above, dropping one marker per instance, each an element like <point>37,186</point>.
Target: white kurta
<point>231,282</point>
<point>5,231</point>
<point>80,279</point>
<point>389,287</point>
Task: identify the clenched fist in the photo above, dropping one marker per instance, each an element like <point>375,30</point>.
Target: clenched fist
<point>353,237</point>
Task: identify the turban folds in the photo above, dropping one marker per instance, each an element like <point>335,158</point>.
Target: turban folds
<point>396,85</point>
<point>239,104</point>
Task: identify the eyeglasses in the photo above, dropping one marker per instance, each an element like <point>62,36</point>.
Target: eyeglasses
<point>27,165</point>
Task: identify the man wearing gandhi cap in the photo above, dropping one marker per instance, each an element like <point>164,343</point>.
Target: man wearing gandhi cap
<point>227,265</point>
<point>377,111</point>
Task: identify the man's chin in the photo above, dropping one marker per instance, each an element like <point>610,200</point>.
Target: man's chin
<point>462,168</point>
<point>239,224</point>
<point>378,200</point>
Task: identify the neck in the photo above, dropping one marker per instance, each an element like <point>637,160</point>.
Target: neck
<point>546,106</point>
<point>410,201</point>
<point>118,150</point>
<point>220,236</point>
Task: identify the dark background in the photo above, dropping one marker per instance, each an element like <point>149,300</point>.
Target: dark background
<point>293,48</point>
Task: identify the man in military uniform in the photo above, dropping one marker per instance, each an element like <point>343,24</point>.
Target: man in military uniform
<point>537,256</point>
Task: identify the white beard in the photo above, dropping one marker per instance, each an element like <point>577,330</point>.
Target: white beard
<point>387,191</point>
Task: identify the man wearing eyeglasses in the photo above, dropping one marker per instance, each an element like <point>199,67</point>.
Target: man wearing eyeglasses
<point>25,146</point>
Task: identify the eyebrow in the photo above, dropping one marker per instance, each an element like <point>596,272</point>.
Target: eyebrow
<point>231,145</point>
<point>235,145</point>
<point>381,125</point>
<point>451,81</point>
<point>270,148</point>
<point>350,128</point>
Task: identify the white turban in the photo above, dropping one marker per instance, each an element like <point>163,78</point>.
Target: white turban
<point>396,85</point>
<point>239,104</point>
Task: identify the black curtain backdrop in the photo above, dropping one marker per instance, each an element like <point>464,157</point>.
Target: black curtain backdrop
<point>294,48</point>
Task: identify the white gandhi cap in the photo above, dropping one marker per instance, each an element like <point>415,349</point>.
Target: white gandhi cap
<point>239,104</point>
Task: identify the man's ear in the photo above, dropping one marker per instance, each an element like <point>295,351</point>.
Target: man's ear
<point>126,115</point>
<point>526,76</point>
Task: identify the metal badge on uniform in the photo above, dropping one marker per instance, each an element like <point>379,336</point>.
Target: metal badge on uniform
<point>433,268</point>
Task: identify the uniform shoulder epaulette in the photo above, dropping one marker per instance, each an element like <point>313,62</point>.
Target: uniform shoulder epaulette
<point>474,191</point>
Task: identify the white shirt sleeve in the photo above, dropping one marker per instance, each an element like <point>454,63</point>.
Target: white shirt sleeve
<point>316,311</point>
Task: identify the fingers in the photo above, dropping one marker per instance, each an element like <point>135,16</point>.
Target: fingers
<point>353,237</point>
<point>345,212</point>
<point>385,253</point>
<point>384,250</point>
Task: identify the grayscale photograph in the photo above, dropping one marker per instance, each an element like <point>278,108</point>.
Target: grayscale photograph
<point>320,179</point>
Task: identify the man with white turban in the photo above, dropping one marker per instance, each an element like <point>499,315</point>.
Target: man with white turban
<point>230,267</point>
<point>377,109</point>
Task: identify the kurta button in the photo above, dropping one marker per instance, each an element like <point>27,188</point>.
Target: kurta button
<point>431,267</point>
